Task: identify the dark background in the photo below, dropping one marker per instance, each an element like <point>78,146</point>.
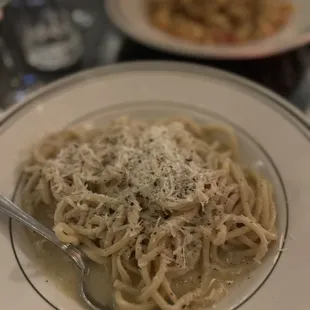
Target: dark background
<point>287,74</point>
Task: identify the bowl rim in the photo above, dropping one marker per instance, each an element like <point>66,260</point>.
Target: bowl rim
<point>287,109</point>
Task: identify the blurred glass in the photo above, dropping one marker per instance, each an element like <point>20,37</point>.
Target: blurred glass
<point>46,34</point>
<point>3,3</point>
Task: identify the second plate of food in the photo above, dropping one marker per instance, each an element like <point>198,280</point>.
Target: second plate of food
<point>188,186</point>
<point>216,28</point>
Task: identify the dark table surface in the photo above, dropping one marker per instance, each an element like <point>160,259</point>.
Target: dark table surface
<point>287,74</point>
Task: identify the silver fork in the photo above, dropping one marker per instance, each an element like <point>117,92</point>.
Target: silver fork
<point>84,264</point>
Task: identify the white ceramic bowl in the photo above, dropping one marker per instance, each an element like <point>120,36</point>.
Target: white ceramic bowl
<point>252,154</point>
<point>130,17</point>
<point>263,122</point>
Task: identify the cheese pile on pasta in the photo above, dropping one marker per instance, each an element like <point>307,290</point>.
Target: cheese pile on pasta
<point>166,206</point>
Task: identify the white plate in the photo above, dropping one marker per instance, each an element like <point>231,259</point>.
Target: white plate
<point>130,17</point>
<point>263,120</point>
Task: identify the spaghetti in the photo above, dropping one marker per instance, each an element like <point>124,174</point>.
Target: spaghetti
<point>166,207</point>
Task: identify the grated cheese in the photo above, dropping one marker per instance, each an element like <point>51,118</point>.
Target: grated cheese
<point>149,162</point>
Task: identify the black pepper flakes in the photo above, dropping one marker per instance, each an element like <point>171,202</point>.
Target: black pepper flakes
<point>207,186</point>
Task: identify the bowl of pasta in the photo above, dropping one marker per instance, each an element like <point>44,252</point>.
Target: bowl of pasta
<point>226,29</point>
<point>179,202</point>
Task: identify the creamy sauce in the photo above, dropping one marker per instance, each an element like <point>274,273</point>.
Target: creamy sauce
<point>99,284</point>
<point>59,268</point>
<point>63,272</point>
